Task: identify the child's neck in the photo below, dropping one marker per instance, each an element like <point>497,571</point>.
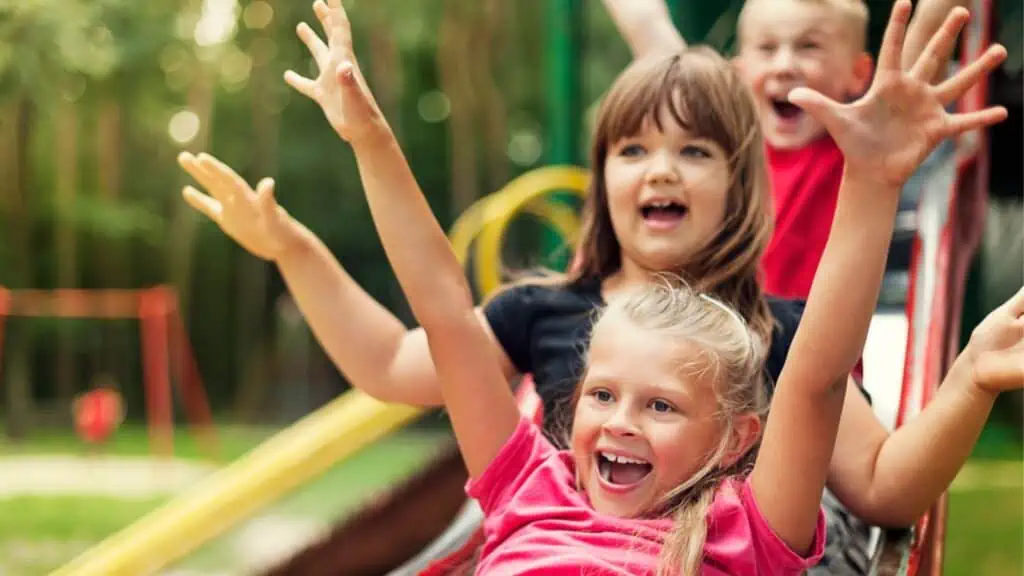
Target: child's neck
<point>628,276</point>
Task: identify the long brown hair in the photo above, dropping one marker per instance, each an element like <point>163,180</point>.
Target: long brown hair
<point>706,97</point>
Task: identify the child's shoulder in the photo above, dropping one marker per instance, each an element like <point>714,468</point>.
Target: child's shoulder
<point>548,293</point>
<point>739,535</point>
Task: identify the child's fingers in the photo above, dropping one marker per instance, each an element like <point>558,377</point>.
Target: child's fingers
<point>895,33</point>
<point>301,84</point>
<point>340,29</point>
<point>1016,303</point>
<point>316,46</point>
<point>940,46</point>
<point>202,203</point>
<point>956,86</point>
<point>821,107</point>
<point>960,123</point>
<point>231,186</point>
<point>323,15</point>
<point>202,175</point>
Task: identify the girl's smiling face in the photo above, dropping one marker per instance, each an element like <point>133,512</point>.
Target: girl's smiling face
<point>667,193</point>
<point>643,423</point>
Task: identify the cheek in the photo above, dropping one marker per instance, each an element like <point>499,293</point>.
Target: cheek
<point>710,199</point>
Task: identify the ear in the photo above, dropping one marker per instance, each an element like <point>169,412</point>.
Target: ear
<point>863,68</point>
<point>746,431</point>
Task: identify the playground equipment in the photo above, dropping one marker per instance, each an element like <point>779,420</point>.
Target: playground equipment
<point>165,349</point>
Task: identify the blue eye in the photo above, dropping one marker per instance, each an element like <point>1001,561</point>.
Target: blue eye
<point>662,407</point>
<point>695,151</point>
<point>602,396</point>
<point>632,150</point>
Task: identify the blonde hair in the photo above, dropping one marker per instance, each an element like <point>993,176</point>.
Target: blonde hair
<point>705,96</point>
<point>732,357</point>
<point>853,14</point>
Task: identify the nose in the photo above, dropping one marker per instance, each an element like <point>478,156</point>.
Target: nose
<point>662,168</point>
<point>621,423</point>
<point>784,61</point>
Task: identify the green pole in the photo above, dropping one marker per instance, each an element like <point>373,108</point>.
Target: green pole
<point>564,99</point>
<point>565,40</point>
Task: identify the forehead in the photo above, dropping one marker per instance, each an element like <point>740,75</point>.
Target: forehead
<point>625,354</point>
<point>791,17</point>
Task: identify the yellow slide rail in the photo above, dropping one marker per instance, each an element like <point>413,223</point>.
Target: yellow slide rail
<point>307,449</point>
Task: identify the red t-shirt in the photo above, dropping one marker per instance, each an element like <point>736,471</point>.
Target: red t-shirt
<point>805,188</point>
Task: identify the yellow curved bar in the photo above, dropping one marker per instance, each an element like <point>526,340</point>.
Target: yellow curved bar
<point>523,192</point>
<point>295,455</point>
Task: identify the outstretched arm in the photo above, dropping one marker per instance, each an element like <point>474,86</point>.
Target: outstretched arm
<point>476,394</point>
<point>373,348</point>
<point>891,480</point>
<point>645,25</point>
<point>884,136</point>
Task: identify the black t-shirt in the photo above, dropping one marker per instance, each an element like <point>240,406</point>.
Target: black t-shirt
<point>544,331</point>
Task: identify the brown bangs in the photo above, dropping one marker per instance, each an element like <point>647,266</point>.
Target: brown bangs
<point>692,85</point>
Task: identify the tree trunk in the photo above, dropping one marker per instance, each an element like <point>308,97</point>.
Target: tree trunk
<point>453,45</point>
<point>18,119</point>
<point>114,265</point>
<point>66,164</point>
<point>492,110</point>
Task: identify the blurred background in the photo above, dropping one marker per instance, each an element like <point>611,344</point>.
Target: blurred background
<point>97,97</point>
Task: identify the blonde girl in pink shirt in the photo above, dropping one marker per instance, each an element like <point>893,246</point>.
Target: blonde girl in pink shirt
<point>662,475</point>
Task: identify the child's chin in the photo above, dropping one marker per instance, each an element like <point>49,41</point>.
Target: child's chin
<point>793,140</point>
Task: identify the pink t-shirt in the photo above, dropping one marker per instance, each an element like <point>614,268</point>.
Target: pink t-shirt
<point>805,190</point>
<point>538,523</point>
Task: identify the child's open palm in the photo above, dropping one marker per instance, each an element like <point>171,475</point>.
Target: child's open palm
<point>251,218</point>
<point>996,348</point>
<point>340,88</point>
<point>888,132</point>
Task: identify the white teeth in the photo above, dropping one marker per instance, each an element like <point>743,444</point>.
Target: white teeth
<point>621,459</point>
<point>661,204</point>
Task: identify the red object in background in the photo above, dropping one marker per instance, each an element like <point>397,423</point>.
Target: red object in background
<point>97,414</point>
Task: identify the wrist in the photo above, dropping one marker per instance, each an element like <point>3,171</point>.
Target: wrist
<point>294,240</point>
<point>963,373</point>
<point>378,135</point>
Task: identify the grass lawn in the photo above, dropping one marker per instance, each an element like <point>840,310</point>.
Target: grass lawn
<point>985,533</point>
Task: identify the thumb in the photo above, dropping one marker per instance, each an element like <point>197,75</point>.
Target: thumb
<point>352,87</point>
<point>265,196</point>
<point>821,107</point>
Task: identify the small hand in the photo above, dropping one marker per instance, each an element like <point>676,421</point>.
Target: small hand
<point>888,132</point>
<point>251,218</point>
<point>340,88</point>
<point>996,348</point>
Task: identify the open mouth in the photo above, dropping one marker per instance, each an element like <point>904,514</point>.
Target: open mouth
<point>620,470</point>
<point>663,211</point>
<point>786,110</point>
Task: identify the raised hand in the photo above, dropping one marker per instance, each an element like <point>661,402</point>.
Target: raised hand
<point>339,88</point>
<point>996,348</point>
<point>888,132</point>
<point>251,218</point>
